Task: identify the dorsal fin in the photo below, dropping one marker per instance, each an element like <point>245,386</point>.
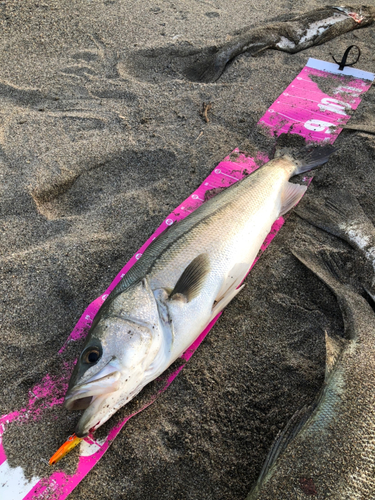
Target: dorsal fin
<point>192,279</point>
<point>280,444</point>
<point>334,347</point>
<point>290,196</point>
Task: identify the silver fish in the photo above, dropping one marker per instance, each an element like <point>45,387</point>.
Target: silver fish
<point>340,214</point>
<point>292,36</point>
<point>182,281</point>
<point>330,453</point>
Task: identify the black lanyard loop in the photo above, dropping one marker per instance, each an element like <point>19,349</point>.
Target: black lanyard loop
<point>343,62</point>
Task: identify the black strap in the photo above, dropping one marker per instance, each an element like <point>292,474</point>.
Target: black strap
<point>343,62</point>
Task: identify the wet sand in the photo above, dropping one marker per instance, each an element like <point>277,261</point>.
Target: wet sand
<point>101,136</point>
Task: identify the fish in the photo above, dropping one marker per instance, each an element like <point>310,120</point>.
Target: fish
<point>181,282</point>
<point>339,213</point>
<point>327,450</point>
<point>299,33</point>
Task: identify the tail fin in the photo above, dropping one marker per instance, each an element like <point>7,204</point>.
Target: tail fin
<point>306,158</point>
<point>329,267</point>
<point>341,215</point>
<point>211,64</point>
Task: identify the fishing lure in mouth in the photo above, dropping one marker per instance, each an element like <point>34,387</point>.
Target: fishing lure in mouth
<point>68,446</point>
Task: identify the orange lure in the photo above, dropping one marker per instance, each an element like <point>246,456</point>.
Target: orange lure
<point>71,443</point>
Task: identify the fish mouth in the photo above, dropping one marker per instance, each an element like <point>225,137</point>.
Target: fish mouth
<point>79,404</point>
<point>106,381</point>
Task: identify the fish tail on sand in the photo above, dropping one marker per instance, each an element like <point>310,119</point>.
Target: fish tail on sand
<point>300,160</point>
<point>338,213</point>
<point>328,266</point>
<point>306,158</point>
<point>292,35</point>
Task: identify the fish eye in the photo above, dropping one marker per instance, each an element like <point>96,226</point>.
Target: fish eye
<point>91,356</point>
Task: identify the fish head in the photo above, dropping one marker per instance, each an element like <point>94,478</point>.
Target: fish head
<point>361,14</point>
<point>113,367</point>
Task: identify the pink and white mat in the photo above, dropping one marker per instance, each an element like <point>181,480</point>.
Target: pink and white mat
<point>304,109</point>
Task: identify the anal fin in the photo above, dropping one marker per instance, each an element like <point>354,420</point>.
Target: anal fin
<point>290,196</point>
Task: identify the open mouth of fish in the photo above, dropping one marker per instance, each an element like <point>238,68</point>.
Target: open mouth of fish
<point>106,381</point>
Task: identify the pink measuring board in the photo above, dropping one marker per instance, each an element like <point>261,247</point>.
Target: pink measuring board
<point>304,109</point>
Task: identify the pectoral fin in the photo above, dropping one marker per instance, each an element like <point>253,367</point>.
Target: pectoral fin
<point>192,279</point>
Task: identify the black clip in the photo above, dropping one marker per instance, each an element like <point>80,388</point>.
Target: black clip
<point>343,62</point>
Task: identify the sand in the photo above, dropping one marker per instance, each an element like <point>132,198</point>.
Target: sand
<point>100,138</point>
